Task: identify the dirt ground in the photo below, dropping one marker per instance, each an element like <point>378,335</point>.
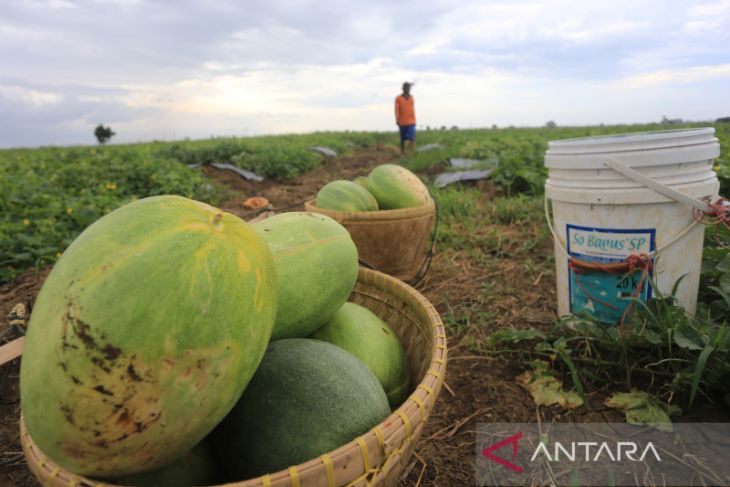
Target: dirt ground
<point>292,195</point>
<point>502,292</point>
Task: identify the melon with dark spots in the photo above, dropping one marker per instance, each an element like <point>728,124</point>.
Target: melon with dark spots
<point>307,398</point>
<point>396,187</point>
<point>341,195</point>
<point>359,331</point>
<point>144,335</point>
<point>316,265</point>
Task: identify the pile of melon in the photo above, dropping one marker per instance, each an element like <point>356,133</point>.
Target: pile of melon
<point>175,344</point>
<point>387,187</point>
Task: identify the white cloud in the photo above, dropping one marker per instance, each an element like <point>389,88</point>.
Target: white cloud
<point>34,99</point>
<point>220,66</point>
<point>583,31</point>
<point>708,18</point>
<point>539,21</point>
<point>710,9</point>
<point>276,89</point>
<point>423,49</point>
<point>674,76</point>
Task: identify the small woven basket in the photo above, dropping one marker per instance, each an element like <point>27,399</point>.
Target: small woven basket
<point>395,242</point>
<point>379,456</point>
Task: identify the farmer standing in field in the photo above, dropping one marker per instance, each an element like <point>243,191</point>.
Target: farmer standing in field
<point>405,117</point>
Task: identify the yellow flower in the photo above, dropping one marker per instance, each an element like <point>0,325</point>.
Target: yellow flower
<point>717,167</point>
<point>58,254</point>
<point>69,211</point>
<point>111,186</point>
<point>26,222</point>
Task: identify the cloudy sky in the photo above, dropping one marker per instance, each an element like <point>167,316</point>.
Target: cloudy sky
<point>155,69</point>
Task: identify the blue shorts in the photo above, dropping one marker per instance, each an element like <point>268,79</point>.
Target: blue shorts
<point>407,132</point>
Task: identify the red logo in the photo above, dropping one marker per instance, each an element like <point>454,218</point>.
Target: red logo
<point>487,452</point>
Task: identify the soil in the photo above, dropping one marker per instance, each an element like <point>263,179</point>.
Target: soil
<point>291,195</point>
<point>514,289</point>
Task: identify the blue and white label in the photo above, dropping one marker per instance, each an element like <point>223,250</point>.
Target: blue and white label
<point>601,294</point>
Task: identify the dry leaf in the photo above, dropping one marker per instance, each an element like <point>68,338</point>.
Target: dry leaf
<point>546,390</point>
<point>643,408</point>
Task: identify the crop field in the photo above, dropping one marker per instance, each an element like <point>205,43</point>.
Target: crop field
<point>492,277</point>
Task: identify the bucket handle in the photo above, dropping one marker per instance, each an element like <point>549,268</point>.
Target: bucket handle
<point>656,185</point>
<point>650,183</point>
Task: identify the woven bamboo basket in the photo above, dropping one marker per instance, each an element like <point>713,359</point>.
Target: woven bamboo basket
<point>395,242</point>
<point>379,456</point>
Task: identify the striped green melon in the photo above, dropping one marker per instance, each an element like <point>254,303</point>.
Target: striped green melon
<point>396,187</point>
<point>307,398</point>
<point>357,330</point>
<point>361,180</point>
<point>316,265</point>
<point>145,334</point>
<point>344,195</point>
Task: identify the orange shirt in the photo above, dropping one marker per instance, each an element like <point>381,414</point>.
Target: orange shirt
<point>405,114</point>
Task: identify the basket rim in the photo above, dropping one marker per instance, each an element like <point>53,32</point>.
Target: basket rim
<point>372,216</point>
<point>384,443</point>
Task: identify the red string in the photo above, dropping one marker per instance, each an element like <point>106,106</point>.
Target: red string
<point>577,271</point>
<point>632,264</point>
<point>717,213</point>
<point>642,263</point>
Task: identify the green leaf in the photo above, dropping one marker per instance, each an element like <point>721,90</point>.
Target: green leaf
<point>724,264</point>
<point>611,477</point>
<point>676,285</point>
<point>687,337</point>
<point>564,354</point>
<point>575,480</point>
<point>24,256</point>
<point>725,282</point>
<point>721,339</point>
<point>651,336</point>
<point>722,293</point>
<point>514,336</point>
<point>699,368</point>
<point>711,258</point>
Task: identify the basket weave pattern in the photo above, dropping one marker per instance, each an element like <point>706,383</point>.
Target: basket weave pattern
<point>375,458</point>
<point>392,241</point>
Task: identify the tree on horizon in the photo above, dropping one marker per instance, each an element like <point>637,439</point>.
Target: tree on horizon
<point>103,134</point>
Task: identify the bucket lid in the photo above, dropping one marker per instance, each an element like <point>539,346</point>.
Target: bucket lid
<point>636,149</point>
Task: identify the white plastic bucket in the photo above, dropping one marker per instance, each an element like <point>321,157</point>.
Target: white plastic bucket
<point>601,215</point>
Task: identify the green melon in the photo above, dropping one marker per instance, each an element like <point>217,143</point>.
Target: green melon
<point>145,334</point>
<point>307,398</point>
<point>357,330</point>
<point>344,195</point>
<point>361,180</point>
<point>316,264</point>
<point>396,187</point>
<point>199,466</point>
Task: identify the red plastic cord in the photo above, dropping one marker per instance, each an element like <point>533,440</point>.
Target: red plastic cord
<point>718,213</point>
<point>633,263</point>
